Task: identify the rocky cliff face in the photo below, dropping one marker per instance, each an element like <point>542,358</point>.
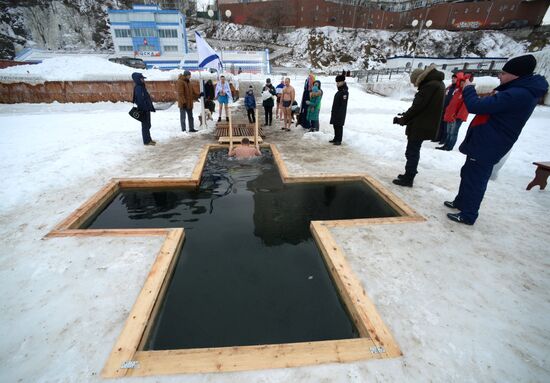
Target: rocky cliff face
<point>57,24</point>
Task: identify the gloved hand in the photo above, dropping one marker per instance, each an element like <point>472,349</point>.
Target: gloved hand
<point>398,121</point>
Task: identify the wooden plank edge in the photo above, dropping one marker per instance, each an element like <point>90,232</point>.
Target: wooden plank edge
<point>371,221</point>
<point>226,359</point>
<point>89,207</point>
<point>197,172</point>
<point>107,232</point>
<point>136,183</point>
<point>360,306</point>
<point>391,198</point>
<point>283,171</point>
<point>129,339</point>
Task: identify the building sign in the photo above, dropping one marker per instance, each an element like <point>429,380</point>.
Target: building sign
<point>148,53</point>
<point>468,24</point>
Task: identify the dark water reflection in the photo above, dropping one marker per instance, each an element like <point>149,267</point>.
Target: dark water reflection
<point>249,272</point>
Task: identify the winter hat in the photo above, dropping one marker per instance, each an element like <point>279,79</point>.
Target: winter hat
<point>340,78</point>
<point>315,88</point>
<point>186,73</point>
<point>520,66</point>
<point>415,74</point>
<point>268,81</point>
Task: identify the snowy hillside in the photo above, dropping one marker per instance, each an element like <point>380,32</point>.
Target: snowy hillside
<point>326,47</point>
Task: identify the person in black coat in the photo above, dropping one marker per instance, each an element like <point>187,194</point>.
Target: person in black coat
<point>339,109</point>
<point>422,118</point>
<point>442,133</point>
<point>143,101</point>
<point>268,92</point>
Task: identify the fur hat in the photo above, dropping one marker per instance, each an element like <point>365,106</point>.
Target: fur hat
<point>520,66</point>
<point>340,78</point>
<point>415,74</point>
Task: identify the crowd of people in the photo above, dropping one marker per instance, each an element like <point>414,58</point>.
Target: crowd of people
<point>436,114</point>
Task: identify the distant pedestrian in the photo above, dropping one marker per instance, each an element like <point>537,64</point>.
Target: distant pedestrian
<point>422,118</point>
<point>287,98</point>
<point>236,93</point>
<point>279,113</point>
<point>268,92</point>
<point>187,95</point>
<point>455,113</point>
<point>250,104</point>
<point>314,106</point>
<point>144,104</point>
<point>339,109</point>
<point>223,95</point>
<point>442,132</point>
<point>308,86</point>
<point>497,125</point>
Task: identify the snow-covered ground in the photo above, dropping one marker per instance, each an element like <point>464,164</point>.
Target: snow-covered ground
<point>465,304</point>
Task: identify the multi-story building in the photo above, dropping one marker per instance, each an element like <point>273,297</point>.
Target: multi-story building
<point>387,14</point>
<point>148,31</point>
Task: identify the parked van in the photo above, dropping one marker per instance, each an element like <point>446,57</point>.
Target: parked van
<point>129,61</point>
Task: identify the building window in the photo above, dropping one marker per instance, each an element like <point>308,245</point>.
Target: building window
<point>477,10</point>
<point>125,48</point>
<point>144,32</point>
<point>170,48</point>
<point>466,10</point>
<point>512,7</point>
<point>168,33</point>
<point>122,33</point>
<point>317,8</point>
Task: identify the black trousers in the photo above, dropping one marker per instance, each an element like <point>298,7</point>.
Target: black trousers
<point>268,111</point>
<point>145,127</point>
<point>251,117</point>
<point>338,131</point>
<point>412,153</point>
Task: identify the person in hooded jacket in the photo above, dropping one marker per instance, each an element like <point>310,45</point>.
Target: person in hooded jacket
<point>314,106</point>
<point>455,113</point>
<point>497,125</point>
<point>187,95</point>
<point>339,109</point>
<point>250,104</point>
<point>268,92</point>
<point>422,118</point>
<point>143,101</point>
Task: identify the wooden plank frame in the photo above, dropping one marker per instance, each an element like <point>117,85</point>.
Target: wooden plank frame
<point>128,358</point>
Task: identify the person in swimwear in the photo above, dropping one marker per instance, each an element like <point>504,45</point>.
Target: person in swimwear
<point>289,95</point>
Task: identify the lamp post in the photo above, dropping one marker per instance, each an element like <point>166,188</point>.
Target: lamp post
<point>414,23</point>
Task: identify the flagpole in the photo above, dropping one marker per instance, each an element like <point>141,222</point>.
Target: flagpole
<point>201,87</point>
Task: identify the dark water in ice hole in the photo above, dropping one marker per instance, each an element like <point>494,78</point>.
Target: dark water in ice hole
<point>249,272</point>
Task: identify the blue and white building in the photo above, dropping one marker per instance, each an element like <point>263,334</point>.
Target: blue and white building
<point>147,31</point>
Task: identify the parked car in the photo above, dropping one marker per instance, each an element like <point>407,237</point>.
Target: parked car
<point>129,61</point>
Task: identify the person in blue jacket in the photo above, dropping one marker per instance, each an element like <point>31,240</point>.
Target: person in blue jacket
<point>499,120</point>
<point>250,104</point>
<point>143,101</point>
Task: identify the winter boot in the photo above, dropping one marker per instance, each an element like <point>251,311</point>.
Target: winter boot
<point>404,180</point>
<point>227,119</point>
<point>219,119</point>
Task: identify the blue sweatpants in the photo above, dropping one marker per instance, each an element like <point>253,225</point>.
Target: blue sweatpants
<point>474,177</point>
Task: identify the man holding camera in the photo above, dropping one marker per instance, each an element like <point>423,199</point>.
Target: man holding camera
<point>422,118</point>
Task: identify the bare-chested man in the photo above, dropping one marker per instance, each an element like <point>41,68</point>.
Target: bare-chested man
<point>245,150</point>
<point>289,94</point>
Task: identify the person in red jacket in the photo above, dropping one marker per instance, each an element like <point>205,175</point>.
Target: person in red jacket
<point>455,113</point>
